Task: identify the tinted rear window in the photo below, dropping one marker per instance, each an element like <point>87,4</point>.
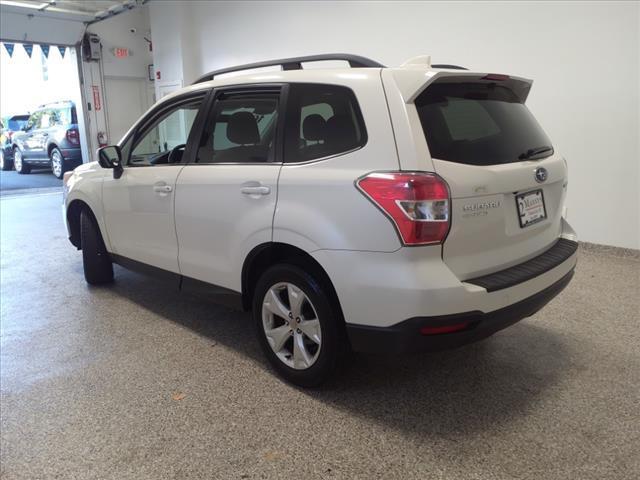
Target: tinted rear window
<point>322,121</point>
<point>479,124</point>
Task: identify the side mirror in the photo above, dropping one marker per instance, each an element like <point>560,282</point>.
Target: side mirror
<point>111,157</point>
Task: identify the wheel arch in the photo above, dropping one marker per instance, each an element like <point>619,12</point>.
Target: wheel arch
<point>74,209</point>
<point>268,254</point>
<point>72,214</point>
<point>50,147</point>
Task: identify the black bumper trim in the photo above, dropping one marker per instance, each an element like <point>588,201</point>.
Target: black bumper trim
<point>523,272</point>
<point>405,336</point>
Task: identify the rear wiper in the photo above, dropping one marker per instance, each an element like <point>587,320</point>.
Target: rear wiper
<point>534,152</point>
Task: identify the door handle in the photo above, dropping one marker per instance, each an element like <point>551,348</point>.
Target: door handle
<point>162,188</point>
<point>258,190</point>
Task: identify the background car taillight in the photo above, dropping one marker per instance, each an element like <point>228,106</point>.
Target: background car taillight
<point>416,202</point>
<point>73,136</point>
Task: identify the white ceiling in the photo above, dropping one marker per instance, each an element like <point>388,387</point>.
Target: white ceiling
<point>80,10</point>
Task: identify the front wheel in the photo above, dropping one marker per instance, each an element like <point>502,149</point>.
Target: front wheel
<point>19,163</point>
<point>97,264</point>
<point>299,326</point>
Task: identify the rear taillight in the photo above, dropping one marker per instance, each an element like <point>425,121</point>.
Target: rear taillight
<point>416,202</point>
<point>73,136</point>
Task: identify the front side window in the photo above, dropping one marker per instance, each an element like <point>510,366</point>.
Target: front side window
<point>241,129</point>
<point>479,123</point>
<point>322,121</point>
<point>164,141</point>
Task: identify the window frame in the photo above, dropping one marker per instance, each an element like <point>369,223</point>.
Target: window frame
<point>357,111</point>
<point>148,121</point>
<point>282,89</point>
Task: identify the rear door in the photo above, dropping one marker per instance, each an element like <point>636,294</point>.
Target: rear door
<point>507,184</point>
<point>225,199</point>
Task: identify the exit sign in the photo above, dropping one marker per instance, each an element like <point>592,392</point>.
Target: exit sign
<point>119,52</point>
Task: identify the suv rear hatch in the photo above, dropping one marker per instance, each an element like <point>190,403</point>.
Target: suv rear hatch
<point>507,185</point>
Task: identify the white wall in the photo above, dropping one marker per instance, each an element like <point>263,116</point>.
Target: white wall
<point>583,57</point>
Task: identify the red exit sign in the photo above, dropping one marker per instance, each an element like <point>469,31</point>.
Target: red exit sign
<point>121,52</point>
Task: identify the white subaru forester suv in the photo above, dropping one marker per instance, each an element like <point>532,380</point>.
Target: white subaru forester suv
<point>366,209</point>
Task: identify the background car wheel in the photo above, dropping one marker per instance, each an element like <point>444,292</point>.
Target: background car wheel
<point>18,162</point>
<point>58,166</point>
<point>97,265</point>
<point>300,328</point>
<point>5,163</point>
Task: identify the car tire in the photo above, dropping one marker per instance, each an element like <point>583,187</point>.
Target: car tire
<point>19,163</point>
<point>58,165</point>
<point>304,343</point>
<point>5,163</point>
<point>98,268</point>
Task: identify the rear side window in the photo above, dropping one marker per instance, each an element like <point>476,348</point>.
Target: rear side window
<point>479,123</point>
<point>322,121</point>
<point>241,129</point>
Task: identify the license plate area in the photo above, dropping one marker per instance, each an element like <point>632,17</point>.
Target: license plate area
<point>531,208</point>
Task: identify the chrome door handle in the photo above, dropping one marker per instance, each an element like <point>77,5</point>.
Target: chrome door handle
<point>262,190</point>
<point>162,188</point>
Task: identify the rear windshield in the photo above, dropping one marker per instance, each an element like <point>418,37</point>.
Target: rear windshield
<point>479,124</point>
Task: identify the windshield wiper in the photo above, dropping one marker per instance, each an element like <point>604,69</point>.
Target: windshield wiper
<point>534,152</point>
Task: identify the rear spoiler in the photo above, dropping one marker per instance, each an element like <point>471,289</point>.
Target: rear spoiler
<point>412,82</point>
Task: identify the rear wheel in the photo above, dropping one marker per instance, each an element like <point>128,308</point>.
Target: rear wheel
<point>97,265</point>
<point>299,327</point>
<point>57,162</point>
<point>19,163</point>
<point>5,163</point>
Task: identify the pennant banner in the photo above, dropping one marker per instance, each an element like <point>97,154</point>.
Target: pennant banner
<point>45,50</point>
<point>62,50</point>
<point>28,48</point>
<point>9,47</point>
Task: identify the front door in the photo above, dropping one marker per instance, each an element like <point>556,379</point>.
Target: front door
<point>139,206</point>
<point>226,198</point>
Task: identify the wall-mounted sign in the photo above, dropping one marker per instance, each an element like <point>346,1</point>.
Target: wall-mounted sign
<point>120,52</point>
<point>96,98</point>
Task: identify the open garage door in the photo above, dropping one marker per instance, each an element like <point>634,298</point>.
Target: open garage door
<point>42,118</point>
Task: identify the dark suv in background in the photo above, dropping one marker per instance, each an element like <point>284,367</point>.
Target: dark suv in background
<point>49,139</point>
<point>8,127</point>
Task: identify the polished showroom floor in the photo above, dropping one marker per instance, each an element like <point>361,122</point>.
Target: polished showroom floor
<point>134,381</point>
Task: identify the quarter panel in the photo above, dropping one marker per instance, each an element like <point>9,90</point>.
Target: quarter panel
<point>318,203</point>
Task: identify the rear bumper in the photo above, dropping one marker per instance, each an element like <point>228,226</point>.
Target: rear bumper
<point>72,156</point>
<point>405,336</point>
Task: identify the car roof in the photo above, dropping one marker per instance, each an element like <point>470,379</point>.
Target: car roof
<point>61,103</point>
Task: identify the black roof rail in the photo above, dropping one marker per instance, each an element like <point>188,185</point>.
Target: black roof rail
<point>295,63</point>
<point>451,67</point>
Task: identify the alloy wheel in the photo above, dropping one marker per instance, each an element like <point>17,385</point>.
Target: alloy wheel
<point>17,160</point>
<point>291,325</point>
<point>56,163</point>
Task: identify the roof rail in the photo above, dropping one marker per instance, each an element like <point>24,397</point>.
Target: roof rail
<point>451,67</point>
<point>295,63</point>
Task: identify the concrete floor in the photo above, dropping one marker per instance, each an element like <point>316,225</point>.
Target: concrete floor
<point>135,381</point>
